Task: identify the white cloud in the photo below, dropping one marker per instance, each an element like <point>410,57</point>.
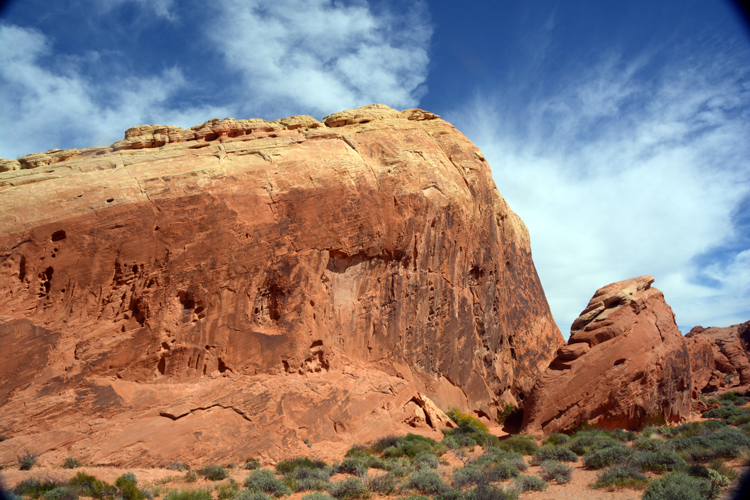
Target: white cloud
<point>43,106</point>
<point>629,170</point>
<point>321,56</point>
<point>161,8</point>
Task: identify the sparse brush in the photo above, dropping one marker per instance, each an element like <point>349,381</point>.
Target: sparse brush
<point>347,489</point>
<point>678,486</point>
<point>385,484</point>
<point>549,452</point>
<point>188,495</point>
<point>287,466</point>
<point>427,482</point>
<point>264,481</point>
<point>604,457</point>
<point>557,439</point>
<point>27,460</point>
<point>554,469</point>
<point>71,463</point>
<point>620,476</point>
<point>530,483</point>
<point>525,445</point>
<point>214,472</point>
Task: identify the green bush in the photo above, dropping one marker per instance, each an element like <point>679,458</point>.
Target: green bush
<point>258,495</point>
<point>348,488</point>
<point>426,459</point>
<point>34,488</point>
<point>550,452</point>
<point>61,493</point>
<point>317,496</point>
<point>214,472</point>
<point>646,444</point>
<point>189,495</point>
<point>89,486</point>
<point>251,464</point>
<point>468,436</point>
<point>410,446</point>
<point>620,476</point>
<point>385,484</point>
<point>728,472</point>
<point>678,486</point>
<point>523,444</point>
<point>414,497</point>
<point>585,440</point>
<point>489,492</point>
<point>191,476</point>
<point>286,466</point>
<point>465,420</point>
<point>658,461</point>
<point>727,442</point>
<point>554,469</point>
<point>127,484</point>
<point>178,466</point>
<point>264,481</point>
<point>426,481</point>
<point>306,479</point>
<point>27,460</point>
<point>71,463</point>
<point>530,483</point>
<point>228,490</point>
<point>505,413</point>
<point>604,457</point>
<point>557,439</point>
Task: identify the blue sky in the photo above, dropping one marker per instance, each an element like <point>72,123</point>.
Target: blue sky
<point>619,131</point>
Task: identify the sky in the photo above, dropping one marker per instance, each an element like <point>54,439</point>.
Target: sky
<point>618,131</point>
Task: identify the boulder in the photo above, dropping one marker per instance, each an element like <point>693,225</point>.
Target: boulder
<point>625,363</point>
<point>702,364</point>
<point>252,288</point>
<point>731,349</point>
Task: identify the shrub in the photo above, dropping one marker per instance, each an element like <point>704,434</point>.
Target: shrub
<point>256,495</point>
<point>620,476</point>
<point>465,420</point>
<point>61,493</point>
<point>621,435</point>
<point>89,486</point>
<point>384,484</point>
<point>469,436</point>
<point>188,495</point>
<point>525,445</point>
<point>410,445</point>
<point>27,460</point>
<point>604,457</point>
<point>505,413</point>
<point>287,466</point>
<point>727,442</point>
<point>426,481</point>
<point>317,496</point>
<point>177,466</point>
<point>646,444</point>
<point>3,437</point>
<point>304,478</point>
<point>147,493</point>
<point>718,466</point>
<point>414,497</point>
<point>251,464</point>
<point>549,452</point>
<point>658,461</point>
<point>214,472</point>
<point>557,439</point>
<point>585,440</point>
<point>385,442</point>
<point>34,488</point>
<point>530,483</point>
<point>191,476</point>
<point>396,467</point>
<point>128,489</point>
<point>348,488</point>
<point>718,482</point>
<point>264,481</point>
<point>228,490</point>
<point>426,459</point>
<point>678,486</point>
<point>71,463</point>
<point>489,492</point>
<point>554,469</point>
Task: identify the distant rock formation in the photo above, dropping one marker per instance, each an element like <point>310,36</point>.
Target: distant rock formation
<point>625,362</point>
<point>261,289</point>
<point>731,355</point>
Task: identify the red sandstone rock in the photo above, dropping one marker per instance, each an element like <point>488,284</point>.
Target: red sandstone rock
<point>702,363</point>
<point>731,347</point>
<point>243,288</point>
<point>625,361</point>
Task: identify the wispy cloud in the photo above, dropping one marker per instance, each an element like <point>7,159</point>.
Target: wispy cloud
<point>160,8</point>
<point>629,169</point>
<point>320,56</point>
<point>45,105</point>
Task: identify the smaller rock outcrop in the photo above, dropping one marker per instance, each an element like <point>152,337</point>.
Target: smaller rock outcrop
<point>731,351</point>
<point>625,363</point>
<point>702,364</point>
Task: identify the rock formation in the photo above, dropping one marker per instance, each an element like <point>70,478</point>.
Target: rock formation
<point>702,365</point>
<point>625,363</point>
<point>731,352</point>
<point>251,288</point>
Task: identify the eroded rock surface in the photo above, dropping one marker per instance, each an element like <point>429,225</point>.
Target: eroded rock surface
<point>250,288</point>
<point>625,362</point>
<point>731,351</point>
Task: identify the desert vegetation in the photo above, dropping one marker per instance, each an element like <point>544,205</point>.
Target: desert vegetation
<point>687,461</point>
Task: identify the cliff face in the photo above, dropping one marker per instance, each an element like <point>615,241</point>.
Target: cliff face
<point>244,286</point>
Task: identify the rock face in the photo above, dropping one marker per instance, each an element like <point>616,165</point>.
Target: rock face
<point>250,288</point>
<point>625,362</point>
<point>731,351</point>
<point>702,365</point>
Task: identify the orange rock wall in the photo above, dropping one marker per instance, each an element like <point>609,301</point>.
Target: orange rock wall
<point>163,280</point>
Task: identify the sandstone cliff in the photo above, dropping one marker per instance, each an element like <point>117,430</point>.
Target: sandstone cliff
<point>252,288</point>
<point>625,363</point>
<point>731,354</point>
